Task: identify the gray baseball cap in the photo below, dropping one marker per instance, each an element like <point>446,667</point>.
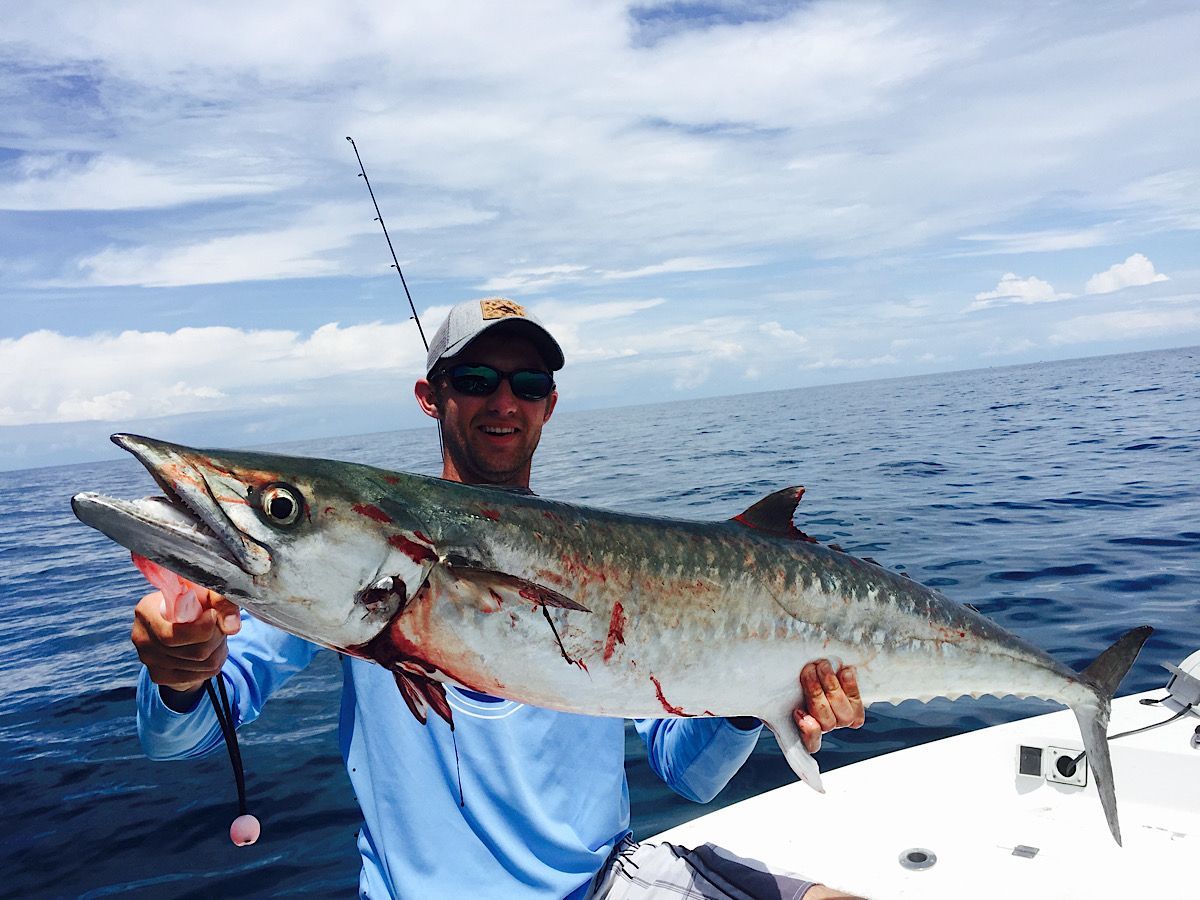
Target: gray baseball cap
<point>469,320</point>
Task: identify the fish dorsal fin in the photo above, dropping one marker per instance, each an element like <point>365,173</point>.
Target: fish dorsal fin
<point>773,514</point>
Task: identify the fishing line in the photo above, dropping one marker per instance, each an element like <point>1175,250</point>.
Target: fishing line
<point>462,800</point>
<point>1179,715</point>
<point>362,173</point>
<point>225,719</point>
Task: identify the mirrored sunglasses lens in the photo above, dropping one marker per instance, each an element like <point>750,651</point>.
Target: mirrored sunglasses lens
<point>478,381</point>
<point>531,384</point>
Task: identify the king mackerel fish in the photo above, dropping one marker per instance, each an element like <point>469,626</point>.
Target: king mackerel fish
<point>572,608</point>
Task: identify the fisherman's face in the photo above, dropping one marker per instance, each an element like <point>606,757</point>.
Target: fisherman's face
<point>489,440</point>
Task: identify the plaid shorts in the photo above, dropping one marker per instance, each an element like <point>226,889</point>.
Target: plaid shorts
<point>644,871</point>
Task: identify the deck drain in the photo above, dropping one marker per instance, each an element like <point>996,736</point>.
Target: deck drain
<point>917,858</point>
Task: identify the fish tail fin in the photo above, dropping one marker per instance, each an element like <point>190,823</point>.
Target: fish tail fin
<point>794,751</point>
<point>1102,678</point>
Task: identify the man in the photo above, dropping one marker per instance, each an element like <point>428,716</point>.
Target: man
<point>516,801</point>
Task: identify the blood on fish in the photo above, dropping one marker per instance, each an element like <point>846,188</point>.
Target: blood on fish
<point>673,710</point>
<point>554,578</point>
<point>418,553</point>
<point>543,596</point>
<point>391,479</point>
<point>575,567</point>
<point>616,631</point>
<point>489,513</point>
<point>372,512</point>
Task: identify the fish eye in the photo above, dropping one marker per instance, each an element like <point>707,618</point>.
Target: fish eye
<point>282,504</point>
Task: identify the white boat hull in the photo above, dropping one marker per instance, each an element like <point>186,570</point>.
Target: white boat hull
<point>988,830</point>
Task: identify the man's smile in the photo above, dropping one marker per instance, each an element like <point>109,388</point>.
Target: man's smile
<point>498,430</point>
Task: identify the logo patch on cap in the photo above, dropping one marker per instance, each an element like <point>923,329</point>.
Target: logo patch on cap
<point>498,308</point>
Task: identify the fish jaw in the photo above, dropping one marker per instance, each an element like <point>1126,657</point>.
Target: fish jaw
<point>182,475</point>
<point>167,533</point>
<point>334,574</point>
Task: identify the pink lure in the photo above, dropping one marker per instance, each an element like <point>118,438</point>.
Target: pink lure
<point>244,830</point>
<point>181,598</point>
<point>181,603</point>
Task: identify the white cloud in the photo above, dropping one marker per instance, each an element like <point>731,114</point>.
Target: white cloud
<point>682,264</point>
<point>1136,271</point>
<point>563,315</point>
<point>777,332</point>
<point>852,362</point>
<point>305,248</point>
<point>544,277</point>
<point>45,182</point>
<point>140,374</point>
<point>1008,346</point>
<point>1040,241</point>
<point>824,131</point>
<point>832,159</point>
<point>693,352</point>
<point>1014,289</point>
<point>1125,324</point>
<point>575,327</point>
<point>535,279</point>
<point>286,253</point>
<point>312,246</point>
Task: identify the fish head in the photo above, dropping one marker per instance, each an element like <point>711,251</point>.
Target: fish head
<point>303,544</point>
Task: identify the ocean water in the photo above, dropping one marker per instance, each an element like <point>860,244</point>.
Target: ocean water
<point>1061,499</point>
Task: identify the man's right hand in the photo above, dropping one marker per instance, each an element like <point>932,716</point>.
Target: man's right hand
<point>181,656</point>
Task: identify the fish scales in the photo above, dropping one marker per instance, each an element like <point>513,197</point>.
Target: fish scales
<point>752,593</point>
<point>755,593</point>
<point>584,610</point>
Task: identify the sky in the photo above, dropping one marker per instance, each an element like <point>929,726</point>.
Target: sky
<point>697,198</point>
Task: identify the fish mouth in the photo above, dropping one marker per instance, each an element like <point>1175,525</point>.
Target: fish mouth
<point>185,530</point>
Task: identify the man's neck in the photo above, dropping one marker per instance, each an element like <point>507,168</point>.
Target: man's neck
<point>450,472</point>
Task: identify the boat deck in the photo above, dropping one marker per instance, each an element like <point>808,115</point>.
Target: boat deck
<point>956,818</point>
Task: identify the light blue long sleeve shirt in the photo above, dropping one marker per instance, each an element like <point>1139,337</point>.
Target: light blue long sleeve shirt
<point>544,793</point>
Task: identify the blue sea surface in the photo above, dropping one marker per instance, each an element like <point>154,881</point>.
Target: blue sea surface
<point>1061,499</point>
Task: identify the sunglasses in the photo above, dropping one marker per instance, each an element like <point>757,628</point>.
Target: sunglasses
<point>482,381</point>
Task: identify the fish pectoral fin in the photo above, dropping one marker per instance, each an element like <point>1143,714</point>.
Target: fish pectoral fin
<point>506,585</point>
<point>773,514</point>
<point>794,751</point>
<point>412,695</point>
<point>420,693</point>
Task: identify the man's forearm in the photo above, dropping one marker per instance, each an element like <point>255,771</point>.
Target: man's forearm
<point>697,757</point>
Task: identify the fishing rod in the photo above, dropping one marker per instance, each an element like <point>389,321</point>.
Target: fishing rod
<point>362,173</point>
<point>246,828</point>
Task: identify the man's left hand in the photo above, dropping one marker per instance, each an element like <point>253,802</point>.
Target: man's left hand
<point>831,700</point>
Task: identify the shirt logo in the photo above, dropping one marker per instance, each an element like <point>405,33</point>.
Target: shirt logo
<point>498,308</point>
